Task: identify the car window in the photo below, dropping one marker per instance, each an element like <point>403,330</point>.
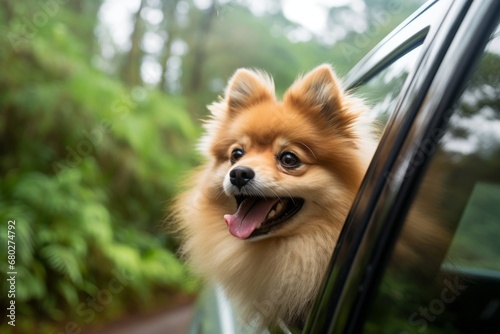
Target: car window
<point>381,92</point>
<point>444,273</point>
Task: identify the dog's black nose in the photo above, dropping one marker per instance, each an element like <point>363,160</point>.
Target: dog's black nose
<point>239,176</point>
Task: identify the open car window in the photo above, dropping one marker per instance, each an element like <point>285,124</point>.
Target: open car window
<point>444,272</point>
<point>381,92</point>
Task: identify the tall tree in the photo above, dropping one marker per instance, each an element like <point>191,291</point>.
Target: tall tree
<point>86,16</point>
<point>199,50</point>
<point>131,70</point>
<point>168,8</point>
<point>7,6</point>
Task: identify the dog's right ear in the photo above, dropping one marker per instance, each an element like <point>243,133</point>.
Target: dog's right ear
<point>247,88</point>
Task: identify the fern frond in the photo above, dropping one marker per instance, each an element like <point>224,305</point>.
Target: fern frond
<point>62,260</point>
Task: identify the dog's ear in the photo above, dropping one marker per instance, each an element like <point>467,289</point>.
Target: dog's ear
<point>319,93</point>
<point>247,88</point>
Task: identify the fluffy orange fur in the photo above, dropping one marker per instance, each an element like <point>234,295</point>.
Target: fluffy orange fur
<point>277,275</point>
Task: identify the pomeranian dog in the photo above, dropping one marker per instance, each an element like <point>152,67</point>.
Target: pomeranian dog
<point>262,215</point>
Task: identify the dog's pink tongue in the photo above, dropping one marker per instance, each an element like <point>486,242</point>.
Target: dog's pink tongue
<point>250,214</point>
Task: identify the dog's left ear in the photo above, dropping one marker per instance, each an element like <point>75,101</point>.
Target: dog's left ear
<point>319,93</point>
<point>247,88</point>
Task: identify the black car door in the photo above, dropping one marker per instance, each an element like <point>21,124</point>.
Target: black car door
<point>399,265</point>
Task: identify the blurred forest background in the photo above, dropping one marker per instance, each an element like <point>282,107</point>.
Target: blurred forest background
<point>100,104</point>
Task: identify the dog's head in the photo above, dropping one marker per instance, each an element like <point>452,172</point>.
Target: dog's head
<point>284,164</point>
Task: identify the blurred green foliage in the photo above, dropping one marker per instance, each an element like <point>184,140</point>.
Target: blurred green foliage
<point>87,165</point>
<point>90,154</point>
<point>476,244</point>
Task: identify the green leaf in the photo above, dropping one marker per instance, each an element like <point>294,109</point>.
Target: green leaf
<point>62,260</point>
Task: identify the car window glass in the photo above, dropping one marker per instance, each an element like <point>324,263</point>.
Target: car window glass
<point>381,92</point>
<point>444,274</point>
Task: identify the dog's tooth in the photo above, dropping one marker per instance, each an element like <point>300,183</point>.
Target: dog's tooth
<point>279,207</point>
<point>271,213</point>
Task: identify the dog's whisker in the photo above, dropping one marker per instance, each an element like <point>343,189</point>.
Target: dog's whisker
<point>308,148</point>
<point>223,140</point>
<point>276,194</point>
<point>288,194</point>
<point>219,193</point>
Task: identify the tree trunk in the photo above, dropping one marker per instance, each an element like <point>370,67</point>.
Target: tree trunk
<point>131,70</point>
<point>8,10</point>
<point>89,12</point>
<point>169,8</point>
<point>200,49</point>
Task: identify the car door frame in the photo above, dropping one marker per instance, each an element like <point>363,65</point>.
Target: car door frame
<point>450,48</point>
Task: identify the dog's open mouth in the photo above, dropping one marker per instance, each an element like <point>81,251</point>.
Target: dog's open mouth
<point>258,215</point>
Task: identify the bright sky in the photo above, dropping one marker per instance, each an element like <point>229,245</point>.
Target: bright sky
<point>115,14</point>
<point>311,14</point>
<point>116,18</point>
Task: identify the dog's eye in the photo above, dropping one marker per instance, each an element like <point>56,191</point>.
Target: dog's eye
<point>289,160</point>
<point>236,154</point>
